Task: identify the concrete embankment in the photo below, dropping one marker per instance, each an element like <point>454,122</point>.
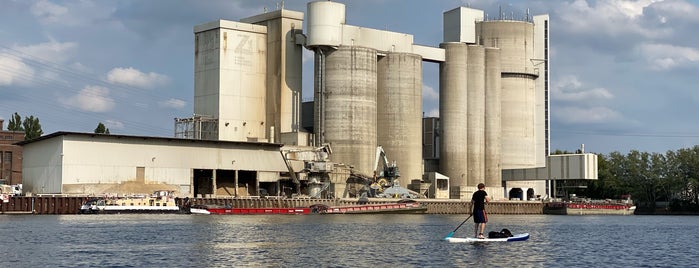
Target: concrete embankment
<point>71,205</point>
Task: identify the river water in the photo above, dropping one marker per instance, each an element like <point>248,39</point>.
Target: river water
<point>343,241</point>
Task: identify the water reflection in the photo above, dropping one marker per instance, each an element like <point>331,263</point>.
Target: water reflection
<point>342,241</point>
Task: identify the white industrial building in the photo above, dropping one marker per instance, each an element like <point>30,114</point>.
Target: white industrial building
<point>82,163</point>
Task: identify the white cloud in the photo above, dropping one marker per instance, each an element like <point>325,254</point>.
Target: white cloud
<point>575,115</point>
<point>569,88</point>
<point>132,77</point>
<point>72,13</point>
<point>16,62</point>
<point>91,99</point>
<point>664,56</point>
<point>610,17</point>
<point>674,10</point>
<point>48,11</point>
<point>52,51</point>
<point>173,103</point>
<point>13,71</point>
<point>429,93</point>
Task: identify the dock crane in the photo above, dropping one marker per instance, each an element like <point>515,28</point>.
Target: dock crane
<point>390,171</point>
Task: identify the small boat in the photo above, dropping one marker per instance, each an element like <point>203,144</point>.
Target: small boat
<point>158,202</point>
<point>199,209</point>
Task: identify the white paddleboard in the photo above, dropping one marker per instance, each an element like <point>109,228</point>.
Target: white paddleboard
<point>517,237</point>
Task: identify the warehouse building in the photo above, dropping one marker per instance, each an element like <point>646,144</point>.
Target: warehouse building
<point>72,163</point>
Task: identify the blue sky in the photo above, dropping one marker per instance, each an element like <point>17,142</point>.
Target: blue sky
<point>624,73</point>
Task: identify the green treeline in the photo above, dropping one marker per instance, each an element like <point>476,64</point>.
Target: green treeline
<point>671,178</point>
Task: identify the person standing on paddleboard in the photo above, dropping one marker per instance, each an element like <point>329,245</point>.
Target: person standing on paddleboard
<point>480,217</point>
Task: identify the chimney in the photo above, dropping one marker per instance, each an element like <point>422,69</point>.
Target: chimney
<point>1,124</point>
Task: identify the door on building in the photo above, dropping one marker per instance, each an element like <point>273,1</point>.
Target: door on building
<point>203,182</point>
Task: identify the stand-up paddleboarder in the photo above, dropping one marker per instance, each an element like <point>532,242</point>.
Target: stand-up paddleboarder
<point>480,217</point>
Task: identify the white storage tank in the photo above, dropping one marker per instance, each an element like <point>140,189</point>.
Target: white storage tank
<point>324,25</point>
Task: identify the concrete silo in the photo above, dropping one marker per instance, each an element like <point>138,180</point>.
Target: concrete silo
<point>344,89</point>
<point>493,92</point>
<point>516,42</point>
<point>349,112</point>
<point>399,113</point>
<point>453,161</point>
<point>475,115</point>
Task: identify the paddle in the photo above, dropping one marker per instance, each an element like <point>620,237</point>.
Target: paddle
<point>457,228</point>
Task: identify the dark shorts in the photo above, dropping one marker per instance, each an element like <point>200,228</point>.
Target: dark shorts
<point>480,216</point>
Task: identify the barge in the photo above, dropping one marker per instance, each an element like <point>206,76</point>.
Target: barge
<point>385,208</point>
<point>585,208</point>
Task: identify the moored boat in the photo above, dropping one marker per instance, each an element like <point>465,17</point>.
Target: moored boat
<point>589,208</point>
<point>158,202</point>
<point>227,210</point>
<point>384,208</point>
<point>199,209</point>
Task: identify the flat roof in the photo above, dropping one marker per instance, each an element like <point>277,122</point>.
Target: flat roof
<point>117,136</point>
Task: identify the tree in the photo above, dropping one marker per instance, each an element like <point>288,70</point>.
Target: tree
<point>15,123</point>
<point>32,128</point>
<point>101,129</point>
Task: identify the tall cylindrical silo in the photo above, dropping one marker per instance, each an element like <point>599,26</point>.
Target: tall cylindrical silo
<point>516,42</point>
<point>350,106</point>
<point>399,112</point>
<point>476,115</point>
<point>452,115</point>
<point>493,94</point>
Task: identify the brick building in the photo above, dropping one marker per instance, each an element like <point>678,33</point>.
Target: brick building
<point>10,156</point>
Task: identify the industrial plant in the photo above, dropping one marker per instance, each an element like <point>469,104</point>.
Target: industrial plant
<point>363,135</point>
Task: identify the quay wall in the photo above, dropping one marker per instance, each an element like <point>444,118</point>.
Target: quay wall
<point>71,205</point>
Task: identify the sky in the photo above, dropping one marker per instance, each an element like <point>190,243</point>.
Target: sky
<point>623,73</point>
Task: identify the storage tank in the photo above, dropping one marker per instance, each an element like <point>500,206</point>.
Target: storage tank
<point>399,112</point>
<point>493,93</point>
<point>476,115</point>
<point>349,116</point>
<point>452,113</point>
<point>515,40</point>
<point>324,24</point>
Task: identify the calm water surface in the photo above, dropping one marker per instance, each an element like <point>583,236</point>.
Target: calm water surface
<point>343,241</point>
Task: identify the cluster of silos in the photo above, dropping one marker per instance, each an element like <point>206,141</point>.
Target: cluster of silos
<point>488,105</point>
<point>469,111</point>
<point>519,104</point>
<point>364,98</point>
